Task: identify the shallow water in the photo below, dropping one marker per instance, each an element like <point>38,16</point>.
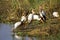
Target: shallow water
<point>6,34</point>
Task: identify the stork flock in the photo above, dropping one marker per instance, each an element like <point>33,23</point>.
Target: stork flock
<point>32,16</point>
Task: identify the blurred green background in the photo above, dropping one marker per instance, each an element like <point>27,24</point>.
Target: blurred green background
<point>11,10</point>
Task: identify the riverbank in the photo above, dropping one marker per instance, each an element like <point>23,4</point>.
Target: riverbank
<point>36,28</point>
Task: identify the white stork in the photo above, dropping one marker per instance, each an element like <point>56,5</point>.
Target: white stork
<point>17,24</point>
<point>33,17</point>
<point>36,17</point>
<point>30,17</point>
<point>23,18</point>
<point>55,14</point>
<point>43,15</point>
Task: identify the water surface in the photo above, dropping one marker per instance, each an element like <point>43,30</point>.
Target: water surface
<point>7,34</point>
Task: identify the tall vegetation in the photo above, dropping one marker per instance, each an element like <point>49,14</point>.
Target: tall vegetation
<point>16,7</point>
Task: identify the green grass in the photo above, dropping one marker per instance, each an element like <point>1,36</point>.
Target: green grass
<point>51,24</point>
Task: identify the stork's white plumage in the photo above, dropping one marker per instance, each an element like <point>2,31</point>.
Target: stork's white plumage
<point>30,16</point>
<point>17,24</point>
<point>23,18</point>
<point>55,14</point>
<point>33,17</point>
<point>36,17</point>
<point>42,13</point>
